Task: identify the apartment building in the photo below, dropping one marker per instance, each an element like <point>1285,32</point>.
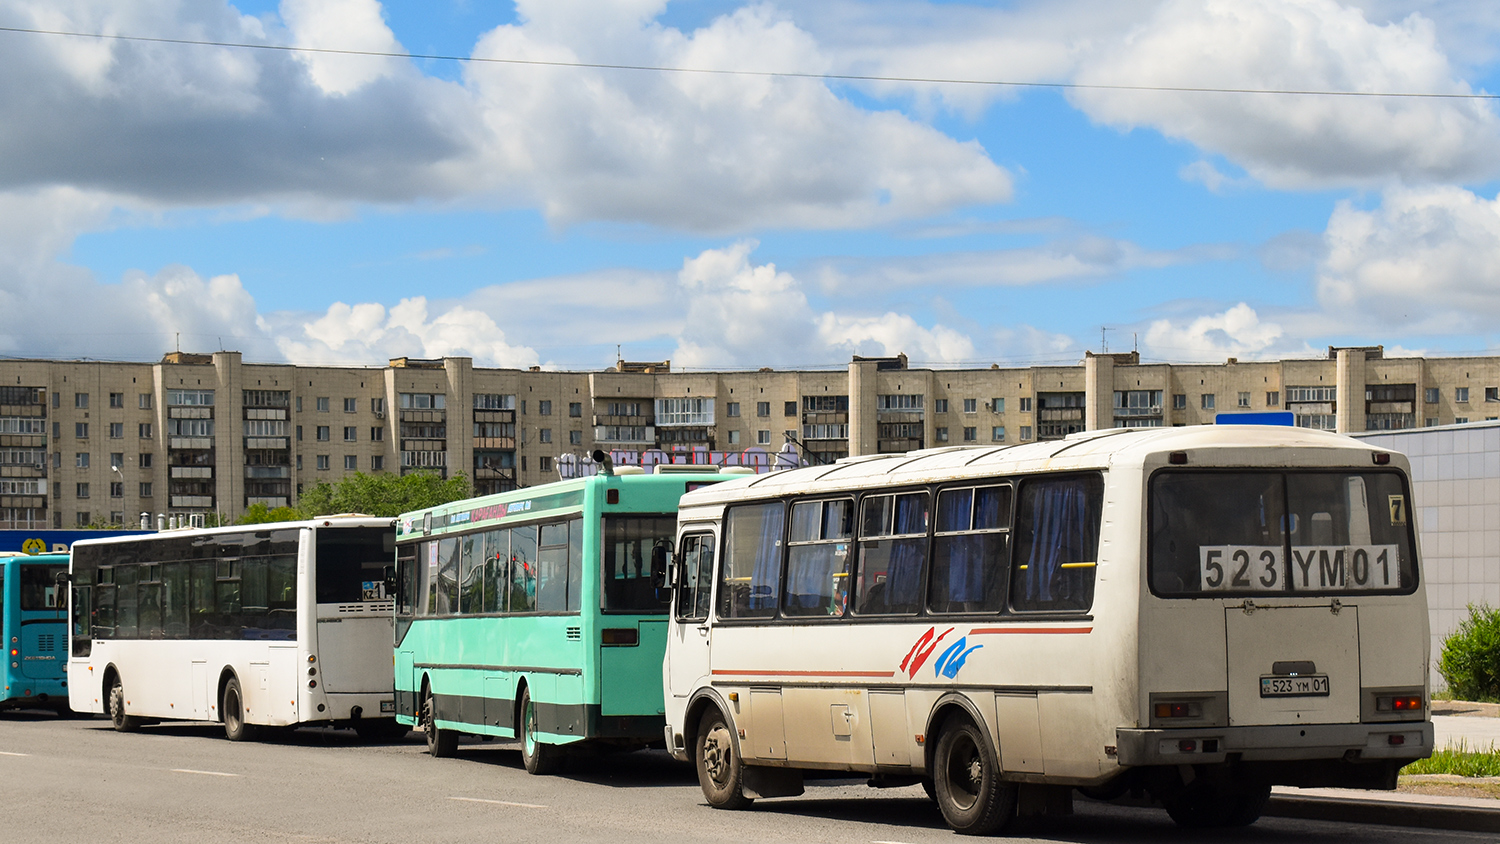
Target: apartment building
<point>89,442</point>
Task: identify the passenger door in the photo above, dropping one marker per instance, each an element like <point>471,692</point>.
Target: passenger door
<point>688,645</point>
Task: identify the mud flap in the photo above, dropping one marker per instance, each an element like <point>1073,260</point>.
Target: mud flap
<point>772,782</point>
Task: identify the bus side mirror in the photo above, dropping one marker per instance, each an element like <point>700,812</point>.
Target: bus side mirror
<point>661,557</point>
<point>390,581</point>
<point>63,578</point>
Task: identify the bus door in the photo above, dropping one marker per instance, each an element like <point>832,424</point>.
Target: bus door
<point>688,649</point>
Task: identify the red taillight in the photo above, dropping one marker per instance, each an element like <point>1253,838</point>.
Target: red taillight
<point>1178,710</point>
<point>1399,703</point>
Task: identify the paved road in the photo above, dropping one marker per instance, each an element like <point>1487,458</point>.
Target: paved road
<point>1473,733</point>
<point>69,781</point>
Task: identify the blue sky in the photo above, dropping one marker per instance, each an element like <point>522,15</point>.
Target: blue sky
<point>316,208</point>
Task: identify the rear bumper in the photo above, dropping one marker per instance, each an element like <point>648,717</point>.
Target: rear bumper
<point>1207,745</point>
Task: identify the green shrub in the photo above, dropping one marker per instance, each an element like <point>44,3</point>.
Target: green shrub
<point>1470,662</point>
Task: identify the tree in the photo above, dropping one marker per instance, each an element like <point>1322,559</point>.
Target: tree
<point>383,494</point>
<point>259,514</point>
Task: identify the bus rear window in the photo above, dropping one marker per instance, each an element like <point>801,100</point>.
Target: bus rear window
<point>628,540</point>
<point>1255,533</point>
<point>39,587</point>
<point>352,563</point>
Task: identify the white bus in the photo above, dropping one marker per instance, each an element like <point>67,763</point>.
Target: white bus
<point>1197,613</point>
<point>253,626</point>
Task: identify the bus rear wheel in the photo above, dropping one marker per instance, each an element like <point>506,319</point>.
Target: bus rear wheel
<point>721,772</point>
<point>122,722</point>
<point>966,776</point>
<point>441,743</point>
<point>232,709</point>
<point>538,756</point>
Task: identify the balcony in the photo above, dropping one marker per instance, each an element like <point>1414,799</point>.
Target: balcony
<point>273,443</point>
<point>898,446</point>
<point>495,443</point>
<point>266,472</point>
<point>200,472</point>
<point>193,501</point>
<point>1059,414</point>
<point>646,419</point>
<point>270,501</point>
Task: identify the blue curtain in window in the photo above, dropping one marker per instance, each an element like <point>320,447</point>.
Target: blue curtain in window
<point>965,566</point>
<point>764,576</point>
<point>1064,531</point>
<point>904,577</point>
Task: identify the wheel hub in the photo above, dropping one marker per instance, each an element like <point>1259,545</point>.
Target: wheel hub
<point>715,755</point>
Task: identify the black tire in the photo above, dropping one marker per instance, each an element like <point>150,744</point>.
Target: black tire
<point>115,708</point>
<point>538,756</point>
<point>1217,806</point>
<point>441,743</point>
<point>973,798</point>
<point>232,711</point>
<point>721,771</point>
<point>380,729</point>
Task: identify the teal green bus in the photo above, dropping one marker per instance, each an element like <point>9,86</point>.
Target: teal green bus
<point>534,614</point>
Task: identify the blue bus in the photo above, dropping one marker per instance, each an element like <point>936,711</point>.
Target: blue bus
<point>33,619</point>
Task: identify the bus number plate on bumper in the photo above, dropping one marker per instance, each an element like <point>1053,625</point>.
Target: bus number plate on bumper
<point>1307,685</point>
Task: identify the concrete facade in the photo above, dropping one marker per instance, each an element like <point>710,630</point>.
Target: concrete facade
<point>87,442</point>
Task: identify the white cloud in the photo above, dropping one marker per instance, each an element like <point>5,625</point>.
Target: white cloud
<point>1237,332</point>
<point>1296,141</point>
<point>369,332</point>
<point>341,25</point>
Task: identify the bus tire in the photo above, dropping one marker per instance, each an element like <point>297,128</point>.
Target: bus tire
<point>122,722</point>
<point>1218,805</point>
<point>721,771</point>
<point>966,775</point>
<point>538,756</point>
<point>380,729</point>
<point>441,743</point>
<point>232,710</point>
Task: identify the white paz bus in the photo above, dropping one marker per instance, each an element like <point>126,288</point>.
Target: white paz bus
<point>1199,613</point>
<point>253,626</point>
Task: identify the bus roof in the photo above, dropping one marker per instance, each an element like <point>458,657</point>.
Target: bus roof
<point>321,521</point>
<point>1090,450</point>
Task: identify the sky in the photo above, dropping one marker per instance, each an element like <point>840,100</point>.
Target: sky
<point>728,185</point>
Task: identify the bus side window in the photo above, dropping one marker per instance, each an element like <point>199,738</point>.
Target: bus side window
<point>1057,543</point>
<point>751,574</point>
<point>892,567</point>
<point>496,570</point>
<point>694,579</point>
<point>969,558</point>
<point>817,568</point>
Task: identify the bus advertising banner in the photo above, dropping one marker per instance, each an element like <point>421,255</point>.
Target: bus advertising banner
<point>35,542</point>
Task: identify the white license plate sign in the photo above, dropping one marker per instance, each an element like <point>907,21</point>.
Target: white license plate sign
<point>1305,685</point>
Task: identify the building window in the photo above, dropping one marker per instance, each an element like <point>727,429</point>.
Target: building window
<point>81,401</point>
<point>299,404</point>
<point>544,435</point>
<point>351,462</point>
<point>117,489</point>
<point>83,518</point>
<point>351,405</point>
<point>144,430</point>
<point>324,433</point>
<point>322,463</point>
<point>940,434</point>
<point>544,464</point>
<point>116,517</point>
<point>299,468</point>
<point>1179,401</point>
<point>899,402</point>
<point>81,430</point>
<point>763,408</point>
<point>492,401</point>
<point>971,434</point>
<point>997,405</point>
<point>145,489</point>
<point>940,405</point>
<point>146,401</point>
<point>117,460</point>
<point>1206,401</point>
<point>1273,398</point>
<point>1025,405</point>
<point>734,437</point>
<point>145,460</point>
<point>1431,394</point>
<point>351,433</point>
<point>1243,400</point>
<point>117,400</point>
<point>1432,421</point>
<point>83,490</point>
<point>299,433</point>
<point>81,460</point>
<point>56,430</point>
<point>732,409</point>
<point>997,434</point>
<point>322,404</point>
<point>377,435</point>
<point>763,437</point>
<point>1492,393</point>
<point>971,405</point>
<point>1025,432</point>
<point>1461,394</point>
<point>790,409</point>
<point>575,409</point>
<point>377,407</point>
<point>575,438</point>
<point>191,398</point>
<point>117,430</point>
<point>1460,420</point>
<point>544,408</point>
<point>377,463</point>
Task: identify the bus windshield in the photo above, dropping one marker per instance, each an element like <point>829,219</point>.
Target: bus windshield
<point>1258,532</point>
<point>352,564</point>
<point>627,542</point>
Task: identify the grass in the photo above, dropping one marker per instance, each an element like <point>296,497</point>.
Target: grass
<point>1459,760</point>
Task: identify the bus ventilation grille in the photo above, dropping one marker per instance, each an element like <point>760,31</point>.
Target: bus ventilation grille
<point>366,608</point>
<point>44,642</point>
<point>574,634</point>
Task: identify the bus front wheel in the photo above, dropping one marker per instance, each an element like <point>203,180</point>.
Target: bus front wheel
<point>966,776</point>
<point>721,772</point>
<point>441,743</point>
<point>124,723</point>
<point>232,709</point>
<point>538,756</point>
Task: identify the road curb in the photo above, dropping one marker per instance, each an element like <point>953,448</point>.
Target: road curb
<point>1388,812</point>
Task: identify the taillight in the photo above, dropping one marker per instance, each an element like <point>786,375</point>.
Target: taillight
<point>1399,703</point>
<point>1182,709</point>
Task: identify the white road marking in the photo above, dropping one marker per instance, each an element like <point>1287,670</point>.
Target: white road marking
<point>498,802</point>
<point>204,773</point>
<point>7,753</point>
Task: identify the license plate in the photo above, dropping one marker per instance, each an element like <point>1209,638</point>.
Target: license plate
<point>1306,685</point>
<point>390,705</point>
